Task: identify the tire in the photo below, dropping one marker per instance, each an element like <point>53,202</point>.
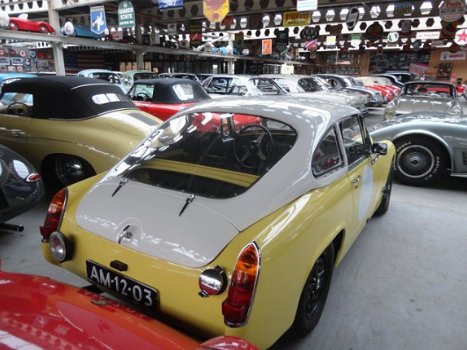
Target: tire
<point>64,170</point>
<point>384,205</point>
<point>314,294</point>
<point>419,161</point>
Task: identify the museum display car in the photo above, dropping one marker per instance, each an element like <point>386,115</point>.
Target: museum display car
<point>165,97</point>
<point>23,23</point>
<point>41,313</point>
<point>21,186</point>
<point>231,231</point>
<point>429,145</point>
<point>425,95</point>
<point>70,128</point>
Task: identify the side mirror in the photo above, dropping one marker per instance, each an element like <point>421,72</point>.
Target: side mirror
<point>379,148</point>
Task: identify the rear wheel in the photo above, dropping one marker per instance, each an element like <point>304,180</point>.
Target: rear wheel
<point>314,294</point>
<point>64,170</point>
<point>419,161</point>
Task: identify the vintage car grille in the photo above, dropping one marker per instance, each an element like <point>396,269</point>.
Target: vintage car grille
<point>3,201</point>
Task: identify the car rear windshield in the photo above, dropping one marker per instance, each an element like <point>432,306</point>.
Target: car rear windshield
<point>216,155</point>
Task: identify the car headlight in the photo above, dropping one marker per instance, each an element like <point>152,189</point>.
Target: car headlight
<point>389,111</point>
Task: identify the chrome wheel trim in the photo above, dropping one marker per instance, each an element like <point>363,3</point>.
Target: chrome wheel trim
<point>416,161</point>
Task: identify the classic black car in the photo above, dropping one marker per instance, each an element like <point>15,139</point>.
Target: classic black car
<point>21,186</point>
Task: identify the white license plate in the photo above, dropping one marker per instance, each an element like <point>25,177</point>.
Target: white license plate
<point>126,287</point>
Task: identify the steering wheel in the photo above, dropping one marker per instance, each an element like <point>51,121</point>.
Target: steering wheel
<point>253,145</point>
<point>19,108</point>
<point>142,96</point>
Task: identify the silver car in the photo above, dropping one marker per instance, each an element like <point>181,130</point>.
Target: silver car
<point>429,145</point>
<point>423,95</point>
<point>303,85</point>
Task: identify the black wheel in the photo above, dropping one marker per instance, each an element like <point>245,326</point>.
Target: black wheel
<point>315,291</point>
<point>419,161</point>
<point>384,205</point>
<point>66,170</point>
<point>18,108</point>
<point>253,146</point>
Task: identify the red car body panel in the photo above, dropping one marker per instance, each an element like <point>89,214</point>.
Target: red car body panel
<point>17,23</point>
<point>162,111</point>
<point>36,310</point>
<point>387,93</point>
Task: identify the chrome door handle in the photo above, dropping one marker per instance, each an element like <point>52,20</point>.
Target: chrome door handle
<point>374,159</point>
<point>356,181</point>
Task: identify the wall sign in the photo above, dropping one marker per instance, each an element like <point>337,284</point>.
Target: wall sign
<point>296,19</point>
<point>266,47</point>
<point>126,15</point>
<point>215,10</point>
<point>452,10</point>
<point>352,18</point>
<point>307,5</point>
<point>98,21</point>
<point>461,37</point>
<point>450,56</point>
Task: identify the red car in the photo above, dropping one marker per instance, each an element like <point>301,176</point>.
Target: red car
<point>165,97</point>
<point>40,313</point>
<point>23,23</point>
<point>381,84</point>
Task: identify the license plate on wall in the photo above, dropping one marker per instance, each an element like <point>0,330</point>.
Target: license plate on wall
<point>128,288</point>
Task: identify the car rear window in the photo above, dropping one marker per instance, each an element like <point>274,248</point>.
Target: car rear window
<point>215,155</point>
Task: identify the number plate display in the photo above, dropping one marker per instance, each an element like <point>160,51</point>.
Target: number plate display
<point>122,285</point>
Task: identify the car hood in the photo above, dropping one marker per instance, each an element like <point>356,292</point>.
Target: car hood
<point>132,122</point>
<point>324,96</point>
<point>154,217</point>
<point>412,104</point>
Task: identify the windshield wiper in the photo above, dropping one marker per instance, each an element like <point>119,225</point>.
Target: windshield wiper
<point>189,199</point>
<point>123,181</point>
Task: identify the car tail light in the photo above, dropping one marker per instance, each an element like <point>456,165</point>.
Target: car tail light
<point>33,177</point>
<point>60,246</point>
<point>54,214</point>
<point>242,287</point>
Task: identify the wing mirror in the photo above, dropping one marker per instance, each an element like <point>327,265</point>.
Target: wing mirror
<point>379,148</point>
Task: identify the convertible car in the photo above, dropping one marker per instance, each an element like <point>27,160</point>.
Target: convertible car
<point>70,128</point>
<point>429,145</point>
<point>165,97</point>
<point>104,74</point>
<point>425,95</point>
<point>41,313</point>
<point>232,231</point>
<point>21,186</point>
<point>23,23</point>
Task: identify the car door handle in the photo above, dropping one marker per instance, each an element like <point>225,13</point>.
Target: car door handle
<point>374,159</point>
<point>356,181</point>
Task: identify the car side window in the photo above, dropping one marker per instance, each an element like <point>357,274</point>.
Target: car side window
<point>16,103</point>
<point>327,156</point>
<point>353,136</point>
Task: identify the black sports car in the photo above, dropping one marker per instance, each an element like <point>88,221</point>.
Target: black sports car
<point>21,187</point>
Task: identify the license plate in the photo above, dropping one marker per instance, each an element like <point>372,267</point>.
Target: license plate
<point>126,287</point>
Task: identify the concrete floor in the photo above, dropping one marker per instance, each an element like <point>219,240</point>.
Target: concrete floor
<point>402,285</point>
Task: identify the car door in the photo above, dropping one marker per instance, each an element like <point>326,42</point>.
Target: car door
<point>15,120</point>
<point>362,177</point>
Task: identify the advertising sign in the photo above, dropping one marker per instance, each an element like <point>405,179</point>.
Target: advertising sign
<point>296,19</point>
<point>461,37</point>
<point>452,10</point>
<point>170,4</point>
<point>215,10</point>
<point>126,15</point>
<point>402,9</point>
<point>352,18</point>
<point>449,56</point>
<point>266,47</point>
<point>427,35</point>
<point>307,5</point>
<point>97,19</point>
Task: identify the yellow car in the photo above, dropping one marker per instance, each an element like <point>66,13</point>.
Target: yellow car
<point>70,128</point>
<point>230,217</point>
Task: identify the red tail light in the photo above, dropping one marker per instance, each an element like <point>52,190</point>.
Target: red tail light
<point>242,287</point>
<point>54,214</point>
<point>33,177</point>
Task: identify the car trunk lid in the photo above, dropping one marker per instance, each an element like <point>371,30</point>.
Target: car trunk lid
<point>162,223</point>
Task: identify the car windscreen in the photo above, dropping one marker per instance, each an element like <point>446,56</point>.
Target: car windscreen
<point>216,155</point>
